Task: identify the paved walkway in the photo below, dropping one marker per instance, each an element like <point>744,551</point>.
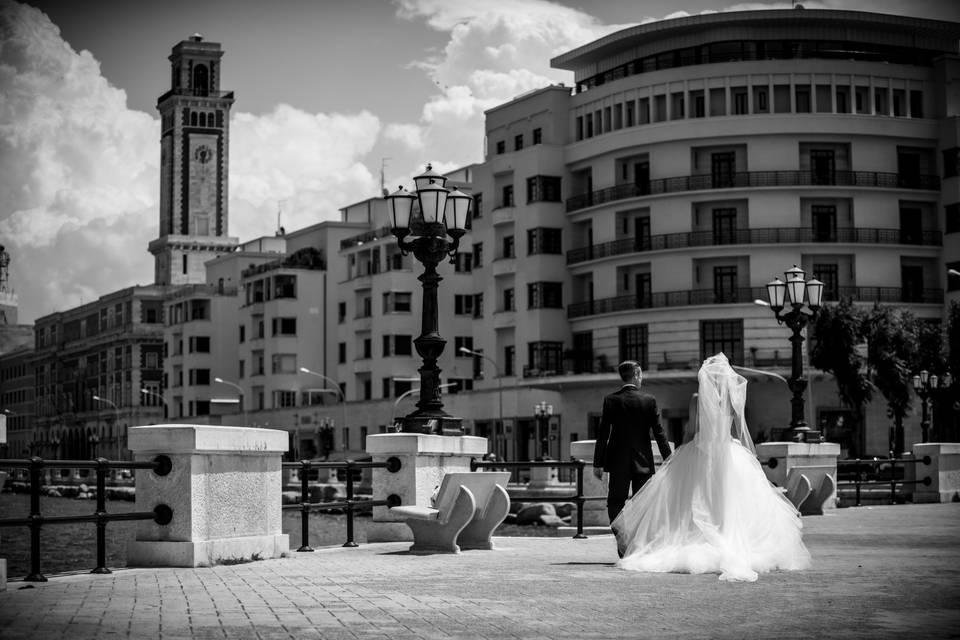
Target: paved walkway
<point>879,572</point>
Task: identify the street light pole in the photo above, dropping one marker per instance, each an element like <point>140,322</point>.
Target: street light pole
<point>543,411</point>
<point>336,387</point>
<point>926,384</point>
<point>166,404</point>
<point>498,428</point>
<point>436,231</point>
<point>243,406</point>
<point>796,291</point>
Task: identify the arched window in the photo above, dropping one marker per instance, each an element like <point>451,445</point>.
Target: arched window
<point>193,119</point>
<point>203,119</point>
<point>201,80</point>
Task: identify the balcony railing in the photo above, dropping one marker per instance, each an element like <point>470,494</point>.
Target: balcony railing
<point>743,295</point>
<point>744,179</point>
<point>786,235</point>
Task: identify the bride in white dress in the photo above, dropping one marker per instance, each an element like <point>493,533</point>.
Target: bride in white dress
<point>710,508</point>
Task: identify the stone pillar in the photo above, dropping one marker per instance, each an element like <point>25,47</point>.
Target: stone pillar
<point>811,460</point>
<point>424,459</point>
<point>943,471</point>
<point>224,489</point>
<point>594,511</point>
<point>3,481</point>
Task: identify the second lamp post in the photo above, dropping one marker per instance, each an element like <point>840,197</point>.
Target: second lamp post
<point>435,228</point>
<point>926,385</point>
<point>796,291</point>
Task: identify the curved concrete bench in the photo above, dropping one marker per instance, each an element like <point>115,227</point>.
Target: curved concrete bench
<point>469,507</point>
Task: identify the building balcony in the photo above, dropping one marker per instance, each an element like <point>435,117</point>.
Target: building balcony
<point>744,295</point>
<point>753,179</point>
<point>785,235</point>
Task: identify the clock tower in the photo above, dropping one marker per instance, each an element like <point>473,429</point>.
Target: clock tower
<point>194,163</point>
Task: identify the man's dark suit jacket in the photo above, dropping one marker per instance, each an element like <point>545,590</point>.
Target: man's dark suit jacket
<point>623,440</point>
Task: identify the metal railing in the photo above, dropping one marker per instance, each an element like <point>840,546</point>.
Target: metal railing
<point>349,505</point>
<point>773,235</point>
<point>749,179</point>
<point>876,467</point>
<point>573,463</point>
<point>161,514</point>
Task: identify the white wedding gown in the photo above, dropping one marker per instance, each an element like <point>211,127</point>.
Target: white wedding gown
<point>710,508</point>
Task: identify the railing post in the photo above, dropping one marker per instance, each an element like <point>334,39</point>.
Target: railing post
<point>349,542</point>
<point>893,480</point>
<point>36,520</point>
<point>101,517</point>
<point>579,500</point>
<point>858,477</point>
<point>305,506</point>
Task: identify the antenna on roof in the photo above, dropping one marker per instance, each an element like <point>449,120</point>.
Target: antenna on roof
<point>383,186</point>
<point>280,230</point>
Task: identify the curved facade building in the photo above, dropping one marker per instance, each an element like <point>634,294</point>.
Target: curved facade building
<point>641,214</point>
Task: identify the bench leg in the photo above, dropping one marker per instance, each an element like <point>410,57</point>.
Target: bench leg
<point>477,534</point>
<point>433,536</point>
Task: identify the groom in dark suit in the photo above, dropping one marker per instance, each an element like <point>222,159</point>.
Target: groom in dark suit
<point>623,446</point>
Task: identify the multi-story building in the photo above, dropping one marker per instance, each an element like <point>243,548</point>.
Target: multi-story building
<point>695,160</point>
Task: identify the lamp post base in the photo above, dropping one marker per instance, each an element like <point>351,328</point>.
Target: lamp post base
<point>804,434</point>
<point>440,425</point>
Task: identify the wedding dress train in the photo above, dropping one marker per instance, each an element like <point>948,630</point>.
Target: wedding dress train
<point>710,508</point>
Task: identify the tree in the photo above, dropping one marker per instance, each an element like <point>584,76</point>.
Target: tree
<point>837,331</point>
<point>891,348</point>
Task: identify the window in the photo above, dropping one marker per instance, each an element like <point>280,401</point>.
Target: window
<point>285,287</point>
<point>952,213</point>
<point>509,354</point>
<point>463,262</point>
<point>739,103</point>
<point>543,240</point>
<point>478,305</point>
<point>367,389</point>
<point>501,147</point>
<point>283,363</point>
<point>508,247</point>
<point>802,97</point>
<point>951,162</point>
<point>242,368</point>
<point>243,333</point>
<point>284,398</point>
<point>477,210</point>
<point>506,199</point>
<point>508,299</point>
<point>463,304</point>
<point>341,312</point>
<point>284,326</point>
<point>477,255</point>
<point>545,295</point>
<point>462,341</point>
<point>398,345</point>
<point>199,344</point>
<point>367,348</point>
<point>537,136</point>
<point>342,352</point>
<point>824,221</point>
<point>366,308</point>
<point>953,281</point>
<point>725,284</point>
<point>386,387</point>
<point>545,356</point>
<point>916,104</point>
<point>722,335</point>
<point>828,274</point>
<point>199,376</point>
<point>258,363</point>
<point>518,142</point>
<point>724,226</point>
<point>579,127</point>
<point>151,360</point>
<point>633,344</point>
<point>397,302</point>
<point>543,189</point>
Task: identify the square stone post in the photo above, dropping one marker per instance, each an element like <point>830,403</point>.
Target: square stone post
<point>812,460</point>
<point>3,481</point>
<point>943,471</point>
<point>424,459</point>
<point>224,489</point>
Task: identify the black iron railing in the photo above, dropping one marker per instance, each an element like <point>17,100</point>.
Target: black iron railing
<point>784,235</point>
<point>573,463</point>
<point>161,514</point>
<point>748,179</point>
<point>349,505</point>
<point>873,472</point>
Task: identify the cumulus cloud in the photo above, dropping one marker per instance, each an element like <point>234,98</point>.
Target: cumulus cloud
<point>497,49</point>
<point>79,177</point>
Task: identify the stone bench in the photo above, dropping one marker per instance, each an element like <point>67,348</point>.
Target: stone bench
<point>810,487</point>
<point>468,507</point>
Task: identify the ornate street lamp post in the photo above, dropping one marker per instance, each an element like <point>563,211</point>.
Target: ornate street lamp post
<point>926,384</point>
<point>435,230</point>
<point>795,291</point>
<point>543,411</point>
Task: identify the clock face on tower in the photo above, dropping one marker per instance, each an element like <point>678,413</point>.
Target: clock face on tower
<point>203,154</point>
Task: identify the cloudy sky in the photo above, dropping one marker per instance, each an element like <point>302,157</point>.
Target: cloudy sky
<point>328,93</point>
